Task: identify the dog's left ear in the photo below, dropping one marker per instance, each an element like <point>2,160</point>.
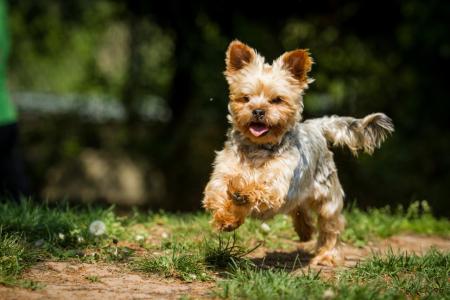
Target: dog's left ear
<point>298,62</point>
<point>238,56</point>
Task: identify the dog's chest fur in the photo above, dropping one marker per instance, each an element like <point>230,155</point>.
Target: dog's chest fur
<point>289,167</point>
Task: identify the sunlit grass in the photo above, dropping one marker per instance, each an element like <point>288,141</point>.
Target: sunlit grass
<point>175,261</point>
<point>363,226</point>
<point>392,276</point>
<point>411,274</point>
<point>186,247</point>
<point>15,256</point>
<point>58,226</point>
<point>252,283</point>
<point>225,252</point>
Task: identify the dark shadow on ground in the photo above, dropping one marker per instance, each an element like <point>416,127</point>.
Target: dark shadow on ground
<point>289,261</point>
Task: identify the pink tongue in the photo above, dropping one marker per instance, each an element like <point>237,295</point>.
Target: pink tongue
<point>258,129</point>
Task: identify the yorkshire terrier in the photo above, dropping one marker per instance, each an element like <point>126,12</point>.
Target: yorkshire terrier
<point>273,162</point>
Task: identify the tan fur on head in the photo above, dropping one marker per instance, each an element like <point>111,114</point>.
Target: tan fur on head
<point>275,89</point>
<point>274,163</point>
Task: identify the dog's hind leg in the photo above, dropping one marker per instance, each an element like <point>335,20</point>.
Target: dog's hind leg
<point>331,223</point>
<point>303,223</point>
<point>327,249</point>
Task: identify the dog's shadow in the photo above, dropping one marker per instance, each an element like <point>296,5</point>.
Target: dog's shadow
<point>288,261</point>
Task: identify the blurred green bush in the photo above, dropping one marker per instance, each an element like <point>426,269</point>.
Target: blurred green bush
<point>386,56</point>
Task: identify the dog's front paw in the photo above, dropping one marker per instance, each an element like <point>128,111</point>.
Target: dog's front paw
<point>225,221</point>
<point>228,227</point>
<point>239,199</point>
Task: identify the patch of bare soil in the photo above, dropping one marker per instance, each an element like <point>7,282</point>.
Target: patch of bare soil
<point>298,260</point>
<point>66,280</point>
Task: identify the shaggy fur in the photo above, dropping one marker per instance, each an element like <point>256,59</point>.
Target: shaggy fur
<point>274,163</point>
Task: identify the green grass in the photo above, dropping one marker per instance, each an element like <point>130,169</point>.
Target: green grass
<point>184,246</point>
<point>174,261</point>
<point>252,283</point>
<point>30,232</point>
<point>423,276</point>
<point>60,225</point>
<point>189,261</point>
<point>363,226</point>
<point>15,256</point>
<point>394,276</point>
<point>224,252</point>
<point>187,267</point>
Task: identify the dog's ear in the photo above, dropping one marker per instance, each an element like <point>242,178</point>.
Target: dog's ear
<point>238,56</point>
<point>298,62</point>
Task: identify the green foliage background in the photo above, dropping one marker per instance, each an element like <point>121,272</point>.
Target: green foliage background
<point>388,56</point>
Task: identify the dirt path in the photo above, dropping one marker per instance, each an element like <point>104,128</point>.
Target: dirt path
<point>65,280</point>
<point>68,281</point>
<point>298,260</point>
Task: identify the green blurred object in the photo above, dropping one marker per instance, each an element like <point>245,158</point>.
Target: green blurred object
<point>84,74</point>
<point>7,111</point>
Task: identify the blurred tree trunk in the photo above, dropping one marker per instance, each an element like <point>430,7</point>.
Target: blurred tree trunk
<point>132,89</point>
<point>179,101</point>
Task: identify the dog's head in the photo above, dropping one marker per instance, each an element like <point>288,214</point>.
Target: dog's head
<point>265,100</point>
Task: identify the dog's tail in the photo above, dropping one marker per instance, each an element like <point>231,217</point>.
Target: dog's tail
<point>357,134</point>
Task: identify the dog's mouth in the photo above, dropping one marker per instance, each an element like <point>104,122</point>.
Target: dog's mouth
<point>258,129</point>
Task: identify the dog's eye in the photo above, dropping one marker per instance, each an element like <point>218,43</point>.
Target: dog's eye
<point>245,99</point>
<point>276,100</point>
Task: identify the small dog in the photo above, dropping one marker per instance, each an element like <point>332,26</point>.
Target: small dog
<point>274,163</point>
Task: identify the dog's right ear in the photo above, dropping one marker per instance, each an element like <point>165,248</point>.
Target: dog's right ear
<point>298,63</point>
<point>238,56</point>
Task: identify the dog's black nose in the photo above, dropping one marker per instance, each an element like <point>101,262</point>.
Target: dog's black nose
<point>258,113</point>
